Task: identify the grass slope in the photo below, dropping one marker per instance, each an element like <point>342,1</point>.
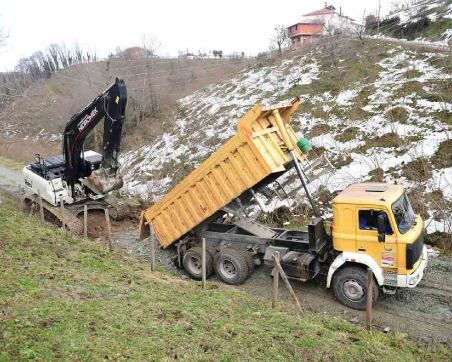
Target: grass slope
<point>64,298</point>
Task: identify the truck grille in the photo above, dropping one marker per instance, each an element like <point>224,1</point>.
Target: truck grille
<point>414,251</point>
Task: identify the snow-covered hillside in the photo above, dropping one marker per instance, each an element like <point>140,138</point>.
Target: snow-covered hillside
<point>423,19</point>
<point>378,111</point>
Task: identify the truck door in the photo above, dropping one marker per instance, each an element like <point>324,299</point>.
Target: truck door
<point>384,253</point>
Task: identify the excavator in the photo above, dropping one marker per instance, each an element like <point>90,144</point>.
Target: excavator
<point>79,177</point>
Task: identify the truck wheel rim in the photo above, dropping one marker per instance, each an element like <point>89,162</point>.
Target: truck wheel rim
<point>227,268</point>
<point>194,264</point>
<point>353,290</point>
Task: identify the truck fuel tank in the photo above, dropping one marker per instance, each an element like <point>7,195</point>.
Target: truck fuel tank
<point>297,265</point>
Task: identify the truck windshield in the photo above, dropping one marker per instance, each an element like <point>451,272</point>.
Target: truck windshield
<point>403,213</point>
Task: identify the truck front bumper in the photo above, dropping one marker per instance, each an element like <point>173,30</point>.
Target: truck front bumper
<point>413,279</point>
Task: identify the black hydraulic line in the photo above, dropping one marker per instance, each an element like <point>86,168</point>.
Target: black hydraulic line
<point>304,183</point>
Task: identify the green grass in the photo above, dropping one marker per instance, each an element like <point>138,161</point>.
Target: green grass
<point>443,155</point>
<point>389,140</point>
<point>397,114</point>
<point>435,29</point>
<point>348,134</point>
<point>62,298</point>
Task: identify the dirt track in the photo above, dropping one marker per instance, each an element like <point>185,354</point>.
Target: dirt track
<point>424,313</point>
<point>9,179</point>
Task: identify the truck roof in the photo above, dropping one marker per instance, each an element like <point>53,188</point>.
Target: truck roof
<point>369,193</point>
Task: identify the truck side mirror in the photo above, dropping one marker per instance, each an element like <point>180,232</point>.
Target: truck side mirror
<point>381,227</point>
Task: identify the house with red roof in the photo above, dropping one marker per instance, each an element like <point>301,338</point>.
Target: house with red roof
<point>326,21</point>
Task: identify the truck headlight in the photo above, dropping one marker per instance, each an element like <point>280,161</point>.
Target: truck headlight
<point>414,279</point>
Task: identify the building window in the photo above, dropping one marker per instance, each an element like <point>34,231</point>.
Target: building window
<point>368,220</point>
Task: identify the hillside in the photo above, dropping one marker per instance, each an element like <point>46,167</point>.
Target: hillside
<point>67,299</point>
<point>423,19</point>
<point>379,111</point>
<point>40,112</point>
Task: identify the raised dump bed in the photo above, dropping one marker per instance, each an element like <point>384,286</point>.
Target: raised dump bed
<point>256,151</point>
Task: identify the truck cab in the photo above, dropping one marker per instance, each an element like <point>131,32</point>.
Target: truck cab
<point>374,227</point>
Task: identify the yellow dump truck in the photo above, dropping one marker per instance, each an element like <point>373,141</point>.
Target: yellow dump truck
<point>373,223</point>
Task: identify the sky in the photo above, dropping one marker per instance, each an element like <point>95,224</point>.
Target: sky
<point>102,26</point>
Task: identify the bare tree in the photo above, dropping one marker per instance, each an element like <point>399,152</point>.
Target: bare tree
<point>359,29</point>
<point>280,38</point>
<point>54,58</point>
<point>4,35</point>
<point>150,44</point>
<point>217,53</point>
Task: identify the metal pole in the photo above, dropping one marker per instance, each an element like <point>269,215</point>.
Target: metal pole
<point>62,214</point>
<point>304,183</point>
<point>275,279</point>
<point>41,207</point>
<point>152,239</point>
<point>21,198</point>
<point>107,223</point>
<point>286,139</point>
<point>203,263</point>
<point>85,221</point>
<point>370,279</point>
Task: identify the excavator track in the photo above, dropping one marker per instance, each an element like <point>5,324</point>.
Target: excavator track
<point>56,215</point>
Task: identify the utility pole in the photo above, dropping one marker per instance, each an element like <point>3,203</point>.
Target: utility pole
<point>378,16</point>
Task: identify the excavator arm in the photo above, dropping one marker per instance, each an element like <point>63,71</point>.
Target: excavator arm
<point>109,106</point>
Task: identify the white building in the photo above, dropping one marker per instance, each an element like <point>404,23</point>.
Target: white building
<point>326,21</point>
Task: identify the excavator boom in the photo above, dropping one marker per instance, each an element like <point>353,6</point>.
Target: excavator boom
<point>110,106</point>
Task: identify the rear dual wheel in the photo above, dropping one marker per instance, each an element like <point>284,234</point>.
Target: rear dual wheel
<point>233,266</point>
<point>192,263</point>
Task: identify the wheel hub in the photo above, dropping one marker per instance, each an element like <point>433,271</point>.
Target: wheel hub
<point>353,290</point>
<point>228,268</point>
<point>195,263</point>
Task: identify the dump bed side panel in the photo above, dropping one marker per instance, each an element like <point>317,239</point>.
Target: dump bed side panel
<point>256,151</point>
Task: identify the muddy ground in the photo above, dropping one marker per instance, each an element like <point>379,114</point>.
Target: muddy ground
<point>423,313</point>
<point>9,180</point>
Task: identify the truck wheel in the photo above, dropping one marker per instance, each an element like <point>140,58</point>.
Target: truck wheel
<point>232,266</point>
<point>192,263</point>
<point>350,287</point>
<point>249,260</point>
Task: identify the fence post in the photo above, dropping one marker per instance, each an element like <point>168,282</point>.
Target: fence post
<point>41,207</point>
<point>62,213</point>
<point>21,198</point>
<point>275,279</point>
<point>107,223</point>
<point>152,239</point>
<point>370,279</point>
<point>85,221</point>
<point>203,263</point>
<point>286,281</point>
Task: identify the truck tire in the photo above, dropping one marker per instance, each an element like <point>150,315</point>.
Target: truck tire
<point>249,260</point>
<point>232,266</point>
<point>192,263</point>
<point>350,287</point>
